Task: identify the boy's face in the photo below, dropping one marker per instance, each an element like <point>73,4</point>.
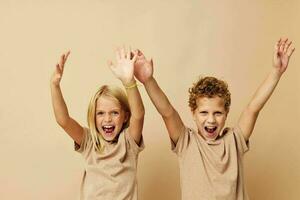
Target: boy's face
<point>210,116</point>
<point>110,117</point>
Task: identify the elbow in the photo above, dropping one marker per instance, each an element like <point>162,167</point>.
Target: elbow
<point>139,115</point>
<point>62,122</point>
<point>168,113</point>
<point>252,110</point>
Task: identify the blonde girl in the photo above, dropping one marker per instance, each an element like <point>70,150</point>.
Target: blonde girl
<point>113,139</point>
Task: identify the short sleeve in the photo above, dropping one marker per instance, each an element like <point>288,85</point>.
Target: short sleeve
<point>242,144</point>
<point>85,140</point>
<point>136,148</point>
<point>183,141</point>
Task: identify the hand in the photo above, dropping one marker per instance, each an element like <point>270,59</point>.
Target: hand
<point>282,54</point>
<point>143,68</point>
<point>57,75</point>
<point>124,68</point>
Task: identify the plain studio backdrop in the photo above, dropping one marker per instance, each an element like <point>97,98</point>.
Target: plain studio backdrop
<point>229,39</point>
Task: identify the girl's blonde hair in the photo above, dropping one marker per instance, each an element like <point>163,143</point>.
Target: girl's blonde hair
<point>108,91</point>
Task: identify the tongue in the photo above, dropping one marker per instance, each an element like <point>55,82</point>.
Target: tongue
<point>210,130</point>
<point>109,130</point>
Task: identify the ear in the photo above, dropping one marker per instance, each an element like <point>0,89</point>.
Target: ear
<point>194,115</point>
<point>226,114</point>
<point>126,117</point>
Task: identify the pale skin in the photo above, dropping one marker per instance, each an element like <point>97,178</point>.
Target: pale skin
<point>175,126</point>
<point>282,53</point>
<point>72,127</point>
<point>144,73</point>
<point>124,71</point>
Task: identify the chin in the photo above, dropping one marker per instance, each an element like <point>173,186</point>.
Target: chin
<point>110,138</point>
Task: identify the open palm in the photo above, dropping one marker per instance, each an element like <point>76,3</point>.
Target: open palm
<point>124,67</point>
<point>282,54</point>
<point>143,68</point>
<point>58,73</point>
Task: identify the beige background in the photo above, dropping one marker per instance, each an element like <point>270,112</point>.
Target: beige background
<point>229,39</point>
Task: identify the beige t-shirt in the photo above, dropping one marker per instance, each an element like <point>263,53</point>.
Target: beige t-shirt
<point>110,175</point>
<point>211,170</point>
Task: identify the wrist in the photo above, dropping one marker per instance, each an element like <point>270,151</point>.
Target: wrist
<point>130,84</point>
<point>149,80</point>
<point>54,85</point>
<point>275,73</point>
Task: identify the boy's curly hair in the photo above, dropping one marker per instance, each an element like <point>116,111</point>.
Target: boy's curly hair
<point>209,87</point>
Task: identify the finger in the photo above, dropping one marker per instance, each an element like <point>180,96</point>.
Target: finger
<point>131,54</point>
<point>279,41</point>
<point>110,64</point>
<point>61,61</point>
<point>141,55</point>
<point>122,52</point>
<point>66,56</point>
<point>284,41</point>
<point>276,50</point>
<point>134,57</point>
<point>117,52</point>
<point>58,69</point>
<point>276,47</point>
<point>128,53</point>
<point>290,52</point>
<point>287,46</point>
<point>282,44</point>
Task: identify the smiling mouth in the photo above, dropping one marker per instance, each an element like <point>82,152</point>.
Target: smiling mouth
<point>210,130</point>
<point>108,129</point>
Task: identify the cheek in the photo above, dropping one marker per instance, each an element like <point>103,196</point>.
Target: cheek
<point>98,119</point>
<point>120,120</point>
<point>222,120</point>
<point>199,120</point>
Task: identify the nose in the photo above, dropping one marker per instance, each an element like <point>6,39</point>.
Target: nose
<point>211,119</point>
<point>107,118</point>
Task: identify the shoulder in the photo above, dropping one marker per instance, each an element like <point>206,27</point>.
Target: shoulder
<point>130,142</point>
<point>235,136</point>
<point>184,141</point>
<point>86,140</point>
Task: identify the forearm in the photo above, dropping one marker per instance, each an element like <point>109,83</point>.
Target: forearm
<point>135,101</point>
<point>59,106</point>
<point>158,98</point>
<point>264,92</point>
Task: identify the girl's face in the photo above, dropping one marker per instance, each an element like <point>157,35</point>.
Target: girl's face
<point>210,116</point>
<point>110,117</point>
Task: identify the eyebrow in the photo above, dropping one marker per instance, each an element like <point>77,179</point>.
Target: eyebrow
<point>114,109</point>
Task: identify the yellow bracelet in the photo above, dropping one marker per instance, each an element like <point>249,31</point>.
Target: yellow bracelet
<point>131,86</point>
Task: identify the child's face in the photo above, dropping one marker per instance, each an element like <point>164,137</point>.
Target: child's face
<point>210,116</point>
<point>110,117</point>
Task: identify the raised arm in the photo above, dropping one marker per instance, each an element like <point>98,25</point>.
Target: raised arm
<point>144,73</point>
<point>123,70</point>
<point>59,106</point>
<point>282,54</point>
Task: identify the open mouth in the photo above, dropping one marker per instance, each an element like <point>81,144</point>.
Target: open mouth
<point>210,130</point>
<point>108,129</point>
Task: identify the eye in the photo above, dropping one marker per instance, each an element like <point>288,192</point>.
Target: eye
<point>218,113</point>
<point>203,112</point>
<point>115,113</point>
<point>100,113</point>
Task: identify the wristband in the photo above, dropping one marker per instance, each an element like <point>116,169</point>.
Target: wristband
<point>133,85</point>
